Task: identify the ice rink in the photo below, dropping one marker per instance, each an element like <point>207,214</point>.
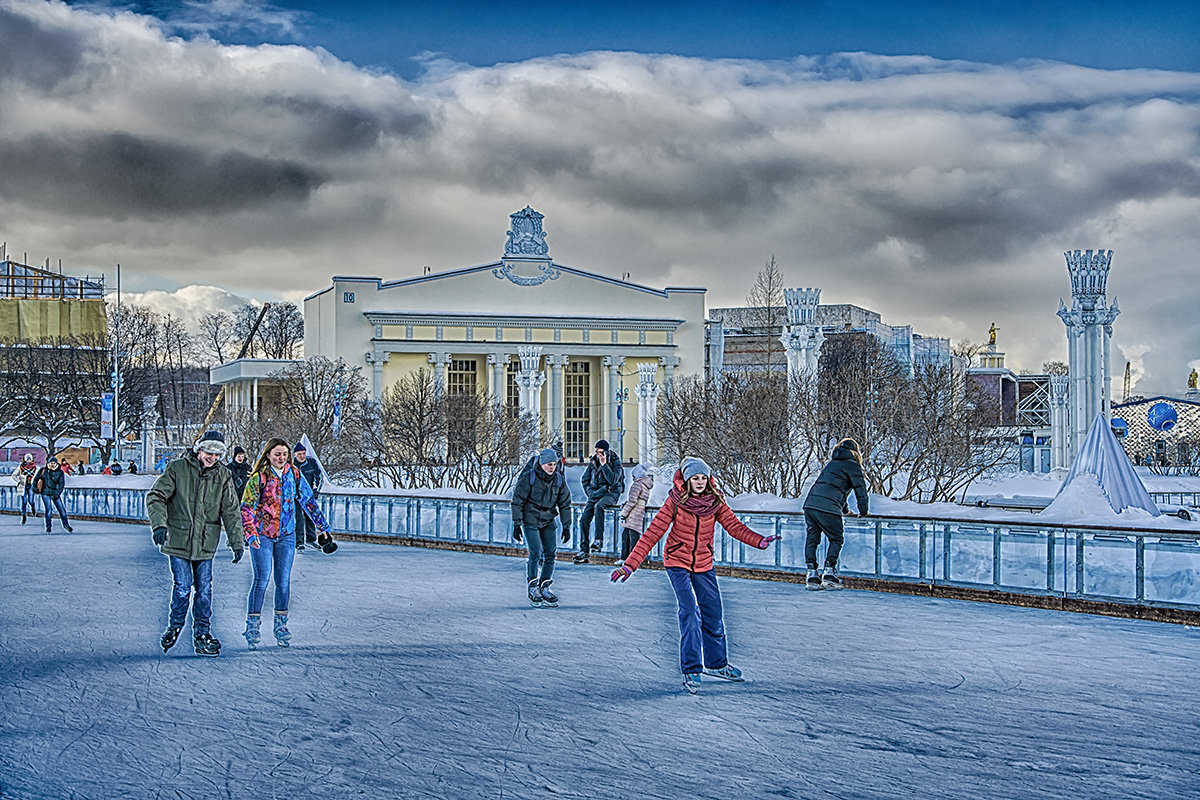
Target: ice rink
<point>424,673</point>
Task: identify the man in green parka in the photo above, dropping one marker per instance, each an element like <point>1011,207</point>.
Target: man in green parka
<point>187,505</point>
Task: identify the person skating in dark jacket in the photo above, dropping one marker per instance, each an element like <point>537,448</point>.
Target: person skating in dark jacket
<point>823,509</point>
<point>540,495</point>
<point>187,506</point>
<point>604,483</point>
<point>49,483</point>
<point>240,469</point>
<point>311,471</point>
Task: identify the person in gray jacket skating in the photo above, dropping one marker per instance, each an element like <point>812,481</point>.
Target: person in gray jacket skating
<point>604,483</point>
<point>823,509</point>
<point>540,495</point>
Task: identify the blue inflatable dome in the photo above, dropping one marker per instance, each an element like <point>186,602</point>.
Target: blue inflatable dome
<point>1162,417</point>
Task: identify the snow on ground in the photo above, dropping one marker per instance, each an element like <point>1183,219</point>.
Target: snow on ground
<point>422,673</point>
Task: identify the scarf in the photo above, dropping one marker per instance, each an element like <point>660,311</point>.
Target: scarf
<point>704,505</point>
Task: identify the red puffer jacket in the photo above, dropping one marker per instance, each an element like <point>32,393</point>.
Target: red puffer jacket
<point>690,541</point>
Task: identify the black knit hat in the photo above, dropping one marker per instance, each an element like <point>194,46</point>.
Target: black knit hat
<point>602,444</point>
<point>299,446</point>
<point>238,449</point>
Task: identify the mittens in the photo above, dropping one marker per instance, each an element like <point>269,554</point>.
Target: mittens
<point>621,574</point>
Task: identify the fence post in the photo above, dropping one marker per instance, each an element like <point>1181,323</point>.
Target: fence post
<point>996,556</point>
<point>878,548</point>
<point>1139,581</point>
<point>1079,562</point>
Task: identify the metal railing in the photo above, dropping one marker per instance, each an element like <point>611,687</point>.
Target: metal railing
<point>1176,498</point>
<point>1131,567</point>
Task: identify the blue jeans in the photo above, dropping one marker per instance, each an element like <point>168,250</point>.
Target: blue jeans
<point>701,633</point>
<point>58,503</point>
<point>272,555</point>
<point>188,575</point>
<point>542,547</point>
<point>28,496</point>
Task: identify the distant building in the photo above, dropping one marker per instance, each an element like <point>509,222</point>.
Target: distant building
<point>1160,431</point>
<point>739,341</point>
<point>38,305</point>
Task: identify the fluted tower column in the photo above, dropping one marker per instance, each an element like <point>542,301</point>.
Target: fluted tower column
<point>1060,435</point>
<point>1089,329</point>
<point>647,394</point>
<point>531,379</point>
<point>802,336</point>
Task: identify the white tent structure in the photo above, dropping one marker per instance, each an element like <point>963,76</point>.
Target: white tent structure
<point>1101,472</point>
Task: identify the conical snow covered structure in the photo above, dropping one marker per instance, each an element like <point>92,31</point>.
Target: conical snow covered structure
<point>1101,472</point>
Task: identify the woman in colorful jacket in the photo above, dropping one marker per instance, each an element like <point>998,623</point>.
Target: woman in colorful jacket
<point>633,513</point>
<point>687,518</point>
<point>273,493</point>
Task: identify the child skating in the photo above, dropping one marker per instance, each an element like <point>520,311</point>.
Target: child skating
<point>823,510</point>
<point>688,518</point>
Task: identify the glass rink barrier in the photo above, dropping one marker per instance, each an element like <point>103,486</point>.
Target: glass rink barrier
<point>1133,567</point>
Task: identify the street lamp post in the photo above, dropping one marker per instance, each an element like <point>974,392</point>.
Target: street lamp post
<point>622,394</point>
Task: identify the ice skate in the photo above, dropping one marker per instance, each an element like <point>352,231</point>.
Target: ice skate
<point>582,558</point>
<point>830,579</point>
<point>691,682</point>
<point>169,637</point>
<point>728,672</point>
<point>283,636</point>
<point>536,598</point>
<point>207,645</point>
<point>813,581</point>
<point>253,637</point>
<point>549,597</point>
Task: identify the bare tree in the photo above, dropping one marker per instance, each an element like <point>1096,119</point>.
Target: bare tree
<point>52,391</point>
<point>485,442</point>
<point>410,437</point>
<point>1054,368</point>
<point>682,418</point>
<point>766,311</point>
<point>218,341</point>
<point>281,333</point>
<point>966,349</point>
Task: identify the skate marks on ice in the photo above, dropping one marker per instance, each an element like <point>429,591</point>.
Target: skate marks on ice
<point>422,673</point>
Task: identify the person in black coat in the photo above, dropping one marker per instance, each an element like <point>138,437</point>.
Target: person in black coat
<point>540,495</point>
<point>604,483</point>
<point>49,482</point>
<point>823,509</point>
<point>240,468</point>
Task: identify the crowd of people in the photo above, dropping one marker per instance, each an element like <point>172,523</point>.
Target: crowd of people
<point>271,507</point>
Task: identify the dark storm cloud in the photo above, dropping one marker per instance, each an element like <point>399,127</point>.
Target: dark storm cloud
<point>34,55</point>
<point>330,128</point>
<point>116,175</point>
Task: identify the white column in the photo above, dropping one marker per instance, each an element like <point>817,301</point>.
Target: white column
<point>499,377</point>
<point>612,366</point>
<point>647,394</point>
<point>531,379</point>
<point>254,398</point>
<point>1059,429</point>
<point>554,403</point>
<point>1089,324</point>
<point>377,360</point>
<point>802,336</point>
<point>439,361</point>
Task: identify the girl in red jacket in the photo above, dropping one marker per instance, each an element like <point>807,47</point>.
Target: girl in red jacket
<point>691,510</point>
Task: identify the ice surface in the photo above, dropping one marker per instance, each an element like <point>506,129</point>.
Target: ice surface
<point>423,673</point>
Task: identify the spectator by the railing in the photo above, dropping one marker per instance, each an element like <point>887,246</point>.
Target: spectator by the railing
<point>82,467</point>
<point>23,478</point>
<point>633,513</point>
<point>603,482</point>
<point>305,531</point>
<point>115,468</point>
<point>275,492</point>
<point>539,495</point>
<point>132,467</point>
<point>49,483</point>
<point>688,518</point>
<point>823,510</point>
<point>187,506</point>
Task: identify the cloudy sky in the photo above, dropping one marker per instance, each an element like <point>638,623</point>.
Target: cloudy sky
<point>928,160</point>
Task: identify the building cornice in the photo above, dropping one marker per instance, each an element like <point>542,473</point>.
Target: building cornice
<point>452,319</point>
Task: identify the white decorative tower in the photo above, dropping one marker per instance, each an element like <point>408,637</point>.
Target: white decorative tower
<point>530,379</point>
<point>647,394</point>
<point>1060,435</point>
<point>1089,328</point>
<point>802,337</point>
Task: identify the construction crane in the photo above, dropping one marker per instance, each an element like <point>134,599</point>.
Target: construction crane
<point>241,354</point>
<point>1125,392</point>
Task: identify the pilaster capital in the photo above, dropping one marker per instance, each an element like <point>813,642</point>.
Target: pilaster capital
<point>613,362</point>
<point>558,360</point>
<point>439,359</point>
<point>378,359</point>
